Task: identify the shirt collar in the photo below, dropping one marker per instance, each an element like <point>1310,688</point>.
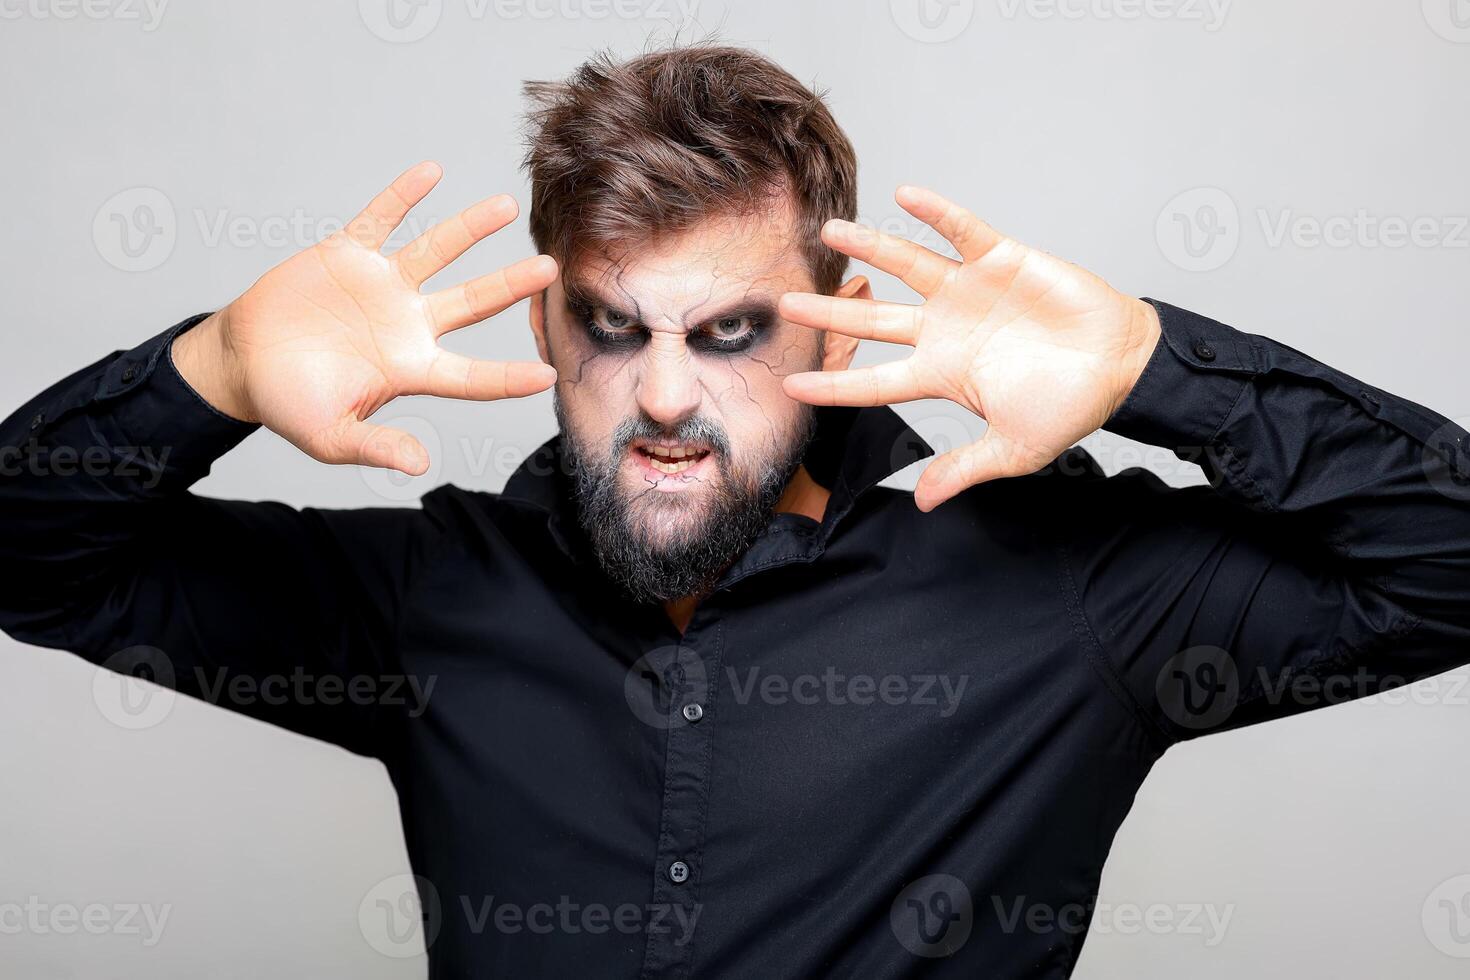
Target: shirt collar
<point>852,451</point>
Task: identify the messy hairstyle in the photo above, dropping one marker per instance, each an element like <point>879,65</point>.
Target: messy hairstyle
<point>622,153</point>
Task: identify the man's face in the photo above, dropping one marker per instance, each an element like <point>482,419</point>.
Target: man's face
<point>670,360</point>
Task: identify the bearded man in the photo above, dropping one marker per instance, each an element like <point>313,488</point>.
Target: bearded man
<point>706,699</point>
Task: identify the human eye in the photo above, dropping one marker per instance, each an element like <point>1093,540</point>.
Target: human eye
<point>609,327</point>
<point>732,333</point>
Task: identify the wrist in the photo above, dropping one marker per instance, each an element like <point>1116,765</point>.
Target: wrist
<point>1144,333</point>
<point>203,359</point>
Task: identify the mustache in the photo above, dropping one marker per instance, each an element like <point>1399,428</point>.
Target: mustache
<point>698,430</point>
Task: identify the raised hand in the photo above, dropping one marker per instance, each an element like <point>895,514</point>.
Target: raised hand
<point>332,334</point>
<point>1041,349</point>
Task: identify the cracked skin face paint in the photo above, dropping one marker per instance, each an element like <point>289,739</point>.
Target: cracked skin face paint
<point>670,359</point>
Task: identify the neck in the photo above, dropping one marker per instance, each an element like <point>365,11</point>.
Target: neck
<point>802,495</point>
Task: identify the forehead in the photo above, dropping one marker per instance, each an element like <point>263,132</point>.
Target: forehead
<point>721,258</point>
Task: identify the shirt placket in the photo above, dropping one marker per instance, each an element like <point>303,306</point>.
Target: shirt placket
<point>687,671</point>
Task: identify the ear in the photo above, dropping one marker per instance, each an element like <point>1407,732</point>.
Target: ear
<point>840,348</point>
<point>538,325</point>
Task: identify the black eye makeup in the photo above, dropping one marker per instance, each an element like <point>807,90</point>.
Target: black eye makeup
<point>609,329</point>
<point>729,332</point>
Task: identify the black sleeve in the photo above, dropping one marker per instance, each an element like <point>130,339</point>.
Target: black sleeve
<point>286,615</point>
<point>1328,559</point>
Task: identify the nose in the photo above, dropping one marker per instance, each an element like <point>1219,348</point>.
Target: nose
<point>668,385</point>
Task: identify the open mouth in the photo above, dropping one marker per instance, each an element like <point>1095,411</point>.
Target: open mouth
<point>672,459</point>
<point>671,466</point>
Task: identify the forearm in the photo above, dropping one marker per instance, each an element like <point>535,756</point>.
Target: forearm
<point>1352,484</point>
<point>87,465</point>
<point>108,550</point>
<point>1330,553</point>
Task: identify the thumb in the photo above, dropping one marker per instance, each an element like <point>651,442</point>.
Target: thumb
<point>378,445</point>
<point>991,458</point>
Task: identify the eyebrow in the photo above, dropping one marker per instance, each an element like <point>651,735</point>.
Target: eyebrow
<point>588,296</point>
<point>585,294</point>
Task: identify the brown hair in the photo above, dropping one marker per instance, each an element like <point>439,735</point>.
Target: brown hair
<point>623,152</point>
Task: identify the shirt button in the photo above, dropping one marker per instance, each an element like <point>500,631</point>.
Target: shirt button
<point>1204,351</point>
<point>129,374</point>
<point>678,872</point>
<point>693,712</point>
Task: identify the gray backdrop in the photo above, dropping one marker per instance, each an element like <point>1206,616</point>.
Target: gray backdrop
<point>1293,168</point>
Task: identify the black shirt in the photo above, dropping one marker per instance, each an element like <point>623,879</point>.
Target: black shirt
<point>889,744</point>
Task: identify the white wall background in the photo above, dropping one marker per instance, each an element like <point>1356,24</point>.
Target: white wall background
<point>1073,124</point>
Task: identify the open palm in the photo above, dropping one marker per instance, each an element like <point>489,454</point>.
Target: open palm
<point>1041,349</point>
<point>332,334</point>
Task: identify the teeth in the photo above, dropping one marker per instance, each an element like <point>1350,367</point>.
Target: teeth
<point>673,459</point>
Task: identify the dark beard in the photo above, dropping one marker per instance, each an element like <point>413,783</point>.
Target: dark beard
<point>688,565</point>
